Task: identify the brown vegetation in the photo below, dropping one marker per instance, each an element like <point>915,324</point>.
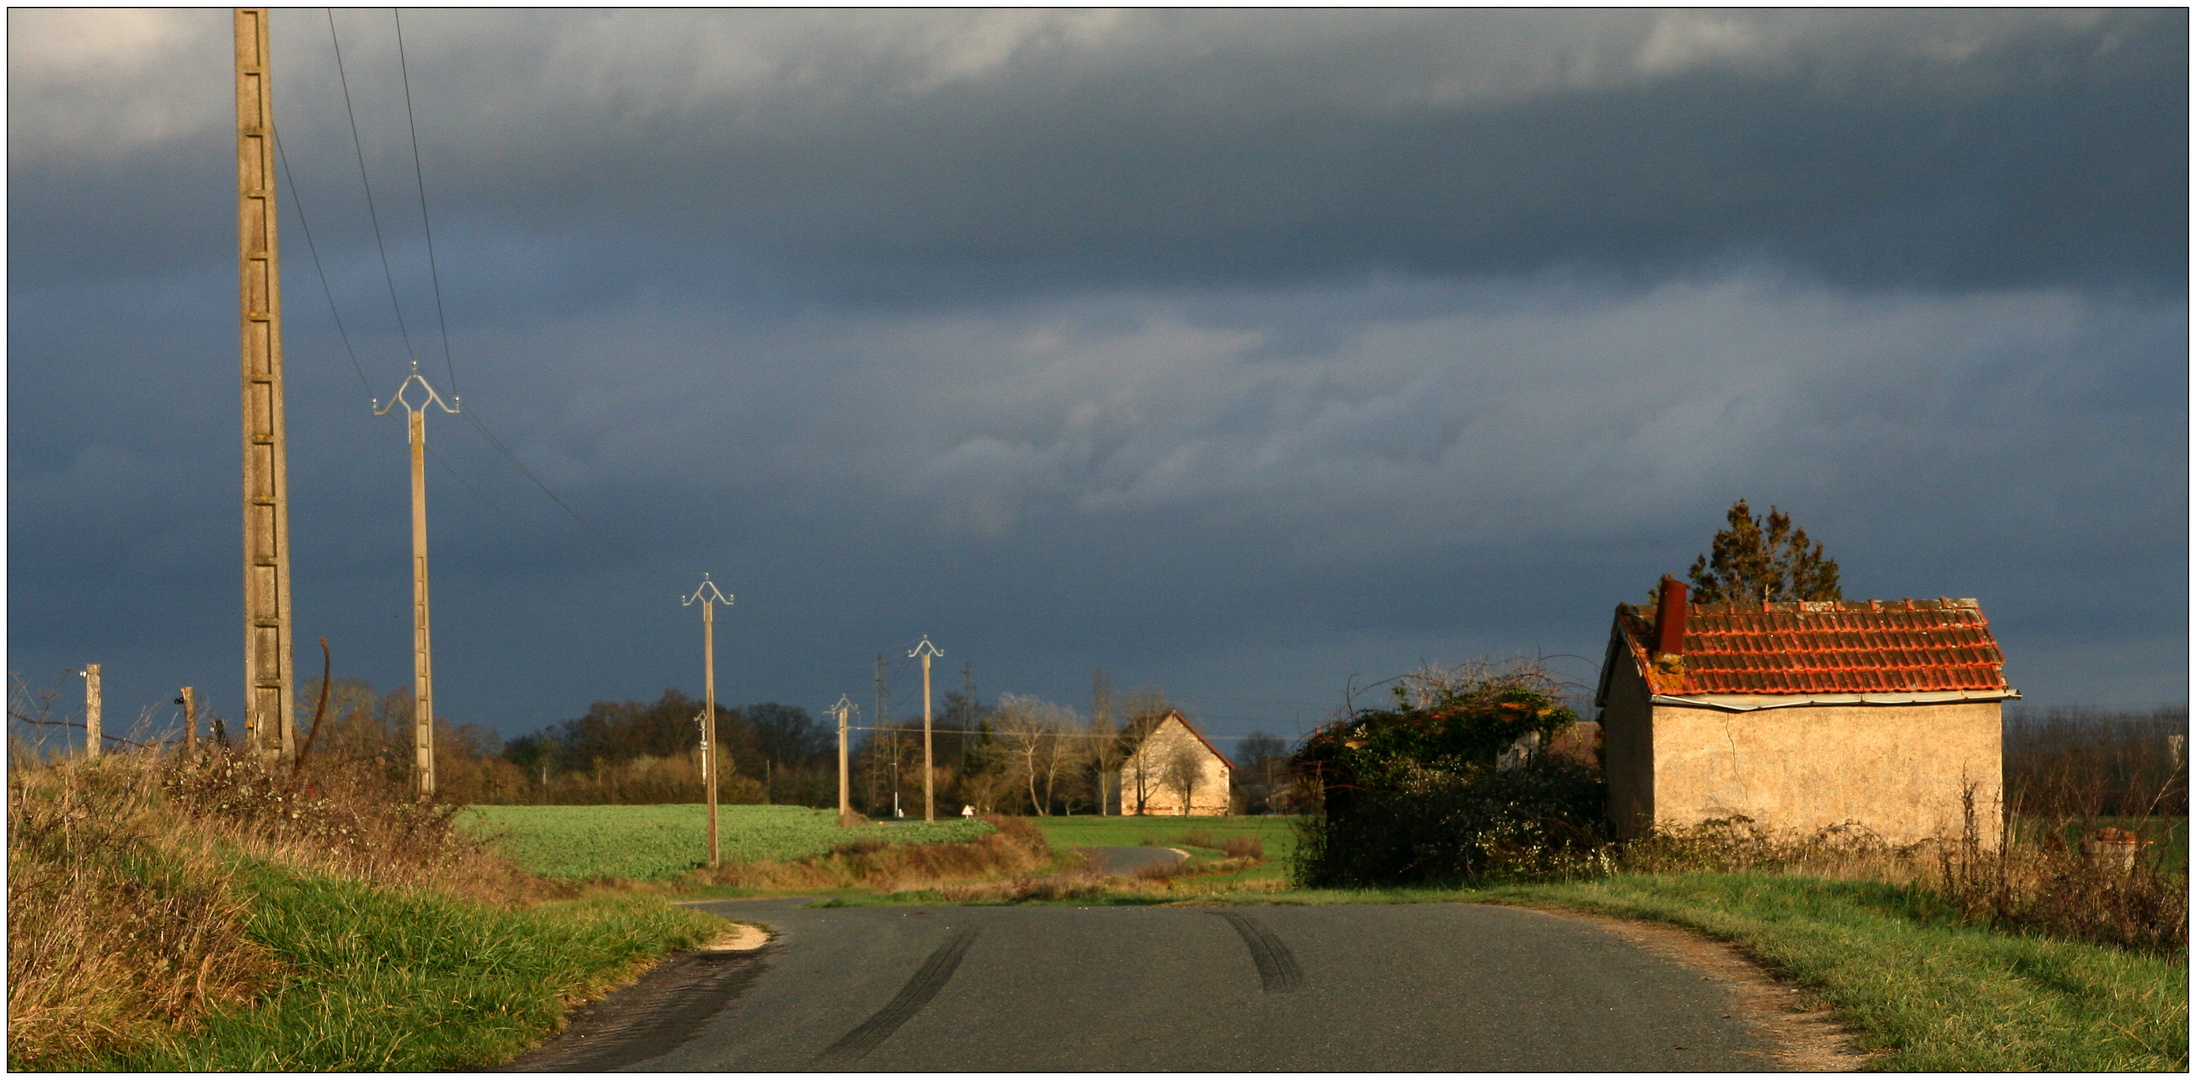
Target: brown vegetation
<point>115,932</point>
<point>1236,847</point>
<point>126,883</point>
<point>1014,847</point>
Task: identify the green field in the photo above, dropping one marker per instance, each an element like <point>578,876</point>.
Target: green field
<point>648,843</point>
<point>1277,833</point>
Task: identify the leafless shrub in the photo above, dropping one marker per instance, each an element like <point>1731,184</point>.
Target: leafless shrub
<point>2097,763</point>
<point>2085,889</point>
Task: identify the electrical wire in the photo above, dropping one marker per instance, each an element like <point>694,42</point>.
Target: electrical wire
<point>298,201</point>
<point>387,274</point>
<point>426,223</point>
<point>460,478</point>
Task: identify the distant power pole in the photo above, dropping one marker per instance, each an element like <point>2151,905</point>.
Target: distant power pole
<point>270,714</point>
<point>968,694</point>
<point>926,651</point>
<point>842,709</point>
<point>707,593</point>
<point>423,659</point>
<point>881,726</point>
<point>91,710</point>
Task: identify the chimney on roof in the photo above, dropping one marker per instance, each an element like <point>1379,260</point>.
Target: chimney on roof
<point>1670,617</point>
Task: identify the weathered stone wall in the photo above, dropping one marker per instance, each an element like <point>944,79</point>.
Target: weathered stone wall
<point>1209,795</point>
<point>1627,752</point>
<point>1897,769</point>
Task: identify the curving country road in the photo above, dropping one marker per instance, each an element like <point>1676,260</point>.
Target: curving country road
<point>1364,987</point>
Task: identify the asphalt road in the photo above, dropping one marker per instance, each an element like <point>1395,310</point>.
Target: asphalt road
<point>1385,987</point>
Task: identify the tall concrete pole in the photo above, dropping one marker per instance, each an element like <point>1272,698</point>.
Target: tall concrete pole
<point>423,668</point>
<point>92,736</point>
<point>270,713</point>
<point>708,594</point>
<point>423,655</point>
<point>843,708</point>
<point>926,650</point>
<point>709,721</point>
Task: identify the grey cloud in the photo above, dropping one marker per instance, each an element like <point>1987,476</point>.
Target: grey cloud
<point>909,156</point>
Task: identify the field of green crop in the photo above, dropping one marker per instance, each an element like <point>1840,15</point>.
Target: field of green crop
<point>645,843</point>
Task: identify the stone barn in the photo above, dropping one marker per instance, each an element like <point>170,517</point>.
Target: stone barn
<point>1177,771</point>
<point>1803,715</point>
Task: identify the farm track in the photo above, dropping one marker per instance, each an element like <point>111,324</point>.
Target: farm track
<point>1055,988</point>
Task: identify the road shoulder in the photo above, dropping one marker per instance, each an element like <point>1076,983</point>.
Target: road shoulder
<point>1804,1035</point>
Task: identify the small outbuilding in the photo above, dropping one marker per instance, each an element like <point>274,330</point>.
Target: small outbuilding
<point>1804,715</point>
<point>1176,770</point>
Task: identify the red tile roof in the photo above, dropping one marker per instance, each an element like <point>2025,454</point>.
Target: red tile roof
<point>1826,647</point>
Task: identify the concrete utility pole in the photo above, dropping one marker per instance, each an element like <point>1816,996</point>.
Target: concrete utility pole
<point>423,665</point>
<point>270,714</point>
<point>842,709</point>
<point>91,710</point>
<point>189,701</point>
<point>926,650</point>
<point>710,597</point>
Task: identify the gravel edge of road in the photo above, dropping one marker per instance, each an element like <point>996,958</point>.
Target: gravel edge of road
<point>1804,1033</point>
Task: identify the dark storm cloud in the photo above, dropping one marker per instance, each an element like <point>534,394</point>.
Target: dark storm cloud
<point>1241,352</point>
<point>918,155</point>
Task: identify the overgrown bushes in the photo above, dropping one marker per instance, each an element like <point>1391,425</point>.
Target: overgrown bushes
<point>1449,786</point>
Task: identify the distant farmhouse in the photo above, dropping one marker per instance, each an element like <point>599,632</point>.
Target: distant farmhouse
<point>1803,715</point>
<point>1177,771</point>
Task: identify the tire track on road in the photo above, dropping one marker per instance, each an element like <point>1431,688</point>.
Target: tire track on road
<point>931,978</point>
<point>1277,970</point>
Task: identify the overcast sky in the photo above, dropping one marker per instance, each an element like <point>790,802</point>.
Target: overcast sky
<point>1247,354</point>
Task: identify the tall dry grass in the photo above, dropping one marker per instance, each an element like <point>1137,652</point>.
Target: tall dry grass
<point>128,886</point>
<point>119,930</point>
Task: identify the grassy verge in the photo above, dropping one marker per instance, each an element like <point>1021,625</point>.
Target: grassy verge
<point>1930,993</point>
<point>213,914</point>
<point>381,979</point>
<point>651,843</point>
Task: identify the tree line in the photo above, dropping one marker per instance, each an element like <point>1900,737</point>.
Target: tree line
<point>1016,755</point>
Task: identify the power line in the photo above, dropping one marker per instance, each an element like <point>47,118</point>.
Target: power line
<point>298,201</point>
<point>608,541</point>
<point>460,478</point>
<point>360,147</point>
<point>425,222</point>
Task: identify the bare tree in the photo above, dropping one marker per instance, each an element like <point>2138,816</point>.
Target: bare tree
<point>1183,767</point>
<point>1105,740</point>
<point>1146,708</point>
<point>1035,734</point>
